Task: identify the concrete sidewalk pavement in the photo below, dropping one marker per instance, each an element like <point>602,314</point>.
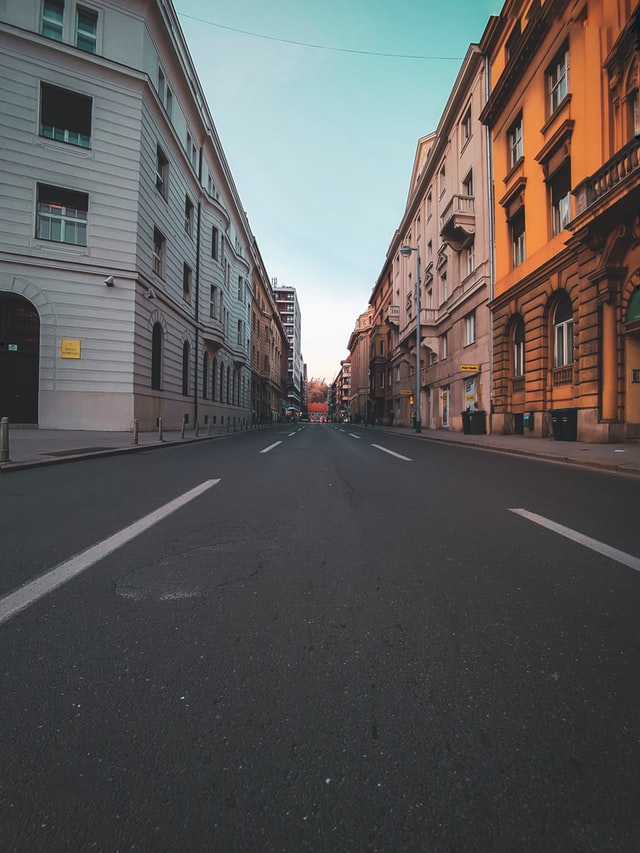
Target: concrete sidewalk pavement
<point>35,447</point>
<point>30,448</point>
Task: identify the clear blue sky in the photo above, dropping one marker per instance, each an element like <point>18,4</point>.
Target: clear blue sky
<point>321,142</point>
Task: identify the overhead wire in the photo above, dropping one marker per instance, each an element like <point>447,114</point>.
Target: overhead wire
<point>318,46</point>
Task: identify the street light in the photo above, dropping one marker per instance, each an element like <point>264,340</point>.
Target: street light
<point>405,251</point>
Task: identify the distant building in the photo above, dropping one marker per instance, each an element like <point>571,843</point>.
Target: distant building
<point>289,308</point>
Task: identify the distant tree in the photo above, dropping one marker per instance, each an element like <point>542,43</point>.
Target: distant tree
<point>317,391</point>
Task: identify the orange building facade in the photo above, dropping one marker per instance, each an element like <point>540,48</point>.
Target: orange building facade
<point>564,119</point>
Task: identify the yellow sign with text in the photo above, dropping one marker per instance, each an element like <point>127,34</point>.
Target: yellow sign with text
<point>69,348</point>
<point>469,368</point>
<point>405,393</point>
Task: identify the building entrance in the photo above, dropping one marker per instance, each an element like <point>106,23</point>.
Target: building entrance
<point>19,359</point>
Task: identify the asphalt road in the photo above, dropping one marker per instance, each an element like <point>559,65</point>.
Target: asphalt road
<point>328,647</point>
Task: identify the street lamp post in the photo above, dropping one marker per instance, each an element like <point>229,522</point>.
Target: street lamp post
<point>405,251</point>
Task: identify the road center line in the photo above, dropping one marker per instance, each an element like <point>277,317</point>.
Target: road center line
<point>271,446</point>
<point>613,553</point>
<point>392,453</point>
<point>16,601</point>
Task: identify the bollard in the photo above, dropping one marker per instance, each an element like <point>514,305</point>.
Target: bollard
<point>160,438</point>
<point>4,440</point>
<point>197,427</point>
<point>135,431</point>
<point>184,423</point>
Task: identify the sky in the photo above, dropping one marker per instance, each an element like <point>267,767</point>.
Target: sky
<point>319,105</point>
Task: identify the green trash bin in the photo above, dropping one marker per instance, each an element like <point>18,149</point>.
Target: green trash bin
<point>466,422</point>
<point>478,423</point>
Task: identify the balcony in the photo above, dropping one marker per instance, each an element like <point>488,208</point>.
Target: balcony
<point>213,333</point>
<point>458,222</point>
<point>392,315</point>
<point>615,172</point>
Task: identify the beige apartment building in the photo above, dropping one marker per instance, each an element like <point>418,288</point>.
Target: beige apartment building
<point>359,349</point>
<point>447,227</point>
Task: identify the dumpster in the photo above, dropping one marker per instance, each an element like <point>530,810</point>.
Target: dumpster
<point>478,422</point>
<point>570,424</point>
<point>466,422</point>
<point>565,424</point>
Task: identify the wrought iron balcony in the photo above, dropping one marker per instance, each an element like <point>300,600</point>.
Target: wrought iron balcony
<point>614,172</point>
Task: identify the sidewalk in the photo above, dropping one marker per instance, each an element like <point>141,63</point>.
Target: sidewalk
<point>31,448</point>
<point>35,447</point>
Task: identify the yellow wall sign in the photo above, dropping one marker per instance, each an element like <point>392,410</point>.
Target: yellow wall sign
<point>469,368</point>
<point>69,348</point>
<point>405,393</point>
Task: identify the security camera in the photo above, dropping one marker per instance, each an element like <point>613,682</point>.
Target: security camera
<point>109,281</point>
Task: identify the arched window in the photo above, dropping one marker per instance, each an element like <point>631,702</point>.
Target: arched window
<point>563,332</point>
<point>518,348</point>
<point>185,368</point>
<point>214,369</point>
<point>156,357</point>
<point>205,375</point>
<point>221,382</point>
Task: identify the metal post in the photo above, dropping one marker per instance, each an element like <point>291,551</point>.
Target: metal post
<point>135,431</point>
<point>418,343</point>
<point>4,440</point>
<point>184,423</point>
<point>160,438</point>
<point>197,428</point>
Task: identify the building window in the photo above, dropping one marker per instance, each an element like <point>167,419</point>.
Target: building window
<point>465,126</point>
<point>470,258</point>
<point>518,349</point>
<point>159,244</point>
<point>444,286</point>
<point>470,329</point>
<point>240,332</point>
<point>429,206</point>
<point>86,29</point>
<point>467,185</point>
<point>205,375</point>
<point>52,19</point>
<point>188,216</point>
<point>186,283</point>
<point>162,173</point>
<point>563,333</point>
<point>186,352</point>
<point>560,191</point>
<point>62,215</point>
<point>444,345</point>
<point>442,179</point>
<point>516,227</point>
<point>558,79</point>
<point>215,243</point>
<point>156,357</point>
<point>514,142</point>
<point>512,41</point>
<point>240,288</point>
<point>65,116</point>
<point>213,302</point>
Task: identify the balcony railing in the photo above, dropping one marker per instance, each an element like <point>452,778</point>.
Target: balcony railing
<point>562,376</point>
<point>392,315</point>
<point>614,172</point>
<point>458,221</point>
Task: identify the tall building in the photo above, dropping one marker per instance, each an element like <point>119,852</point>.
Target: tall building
<point>126,257</point>
<point>564,117</point>
<point>289,308</point>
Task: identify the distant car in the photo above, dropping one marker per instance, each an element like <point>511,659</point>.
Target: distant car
<point>304,418</point>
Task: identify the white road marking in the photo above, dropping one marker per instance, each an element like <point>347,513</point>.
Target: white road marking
<point>271,446</point>
<point>355,436</point>
<point>38,588</point>
<point>392,453</point>
<point>600,547</point>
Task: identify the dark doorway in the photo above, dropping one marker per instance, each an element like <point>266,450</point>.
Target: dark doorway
<point>19,359</point>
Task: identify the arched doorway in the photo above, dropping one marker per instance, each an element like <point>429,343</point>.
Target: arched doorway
<point>19,359</point>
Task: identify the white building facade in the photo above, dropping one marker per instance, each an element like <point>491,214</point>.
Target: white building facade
<point>125,254</point>
<point>290,315</point>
